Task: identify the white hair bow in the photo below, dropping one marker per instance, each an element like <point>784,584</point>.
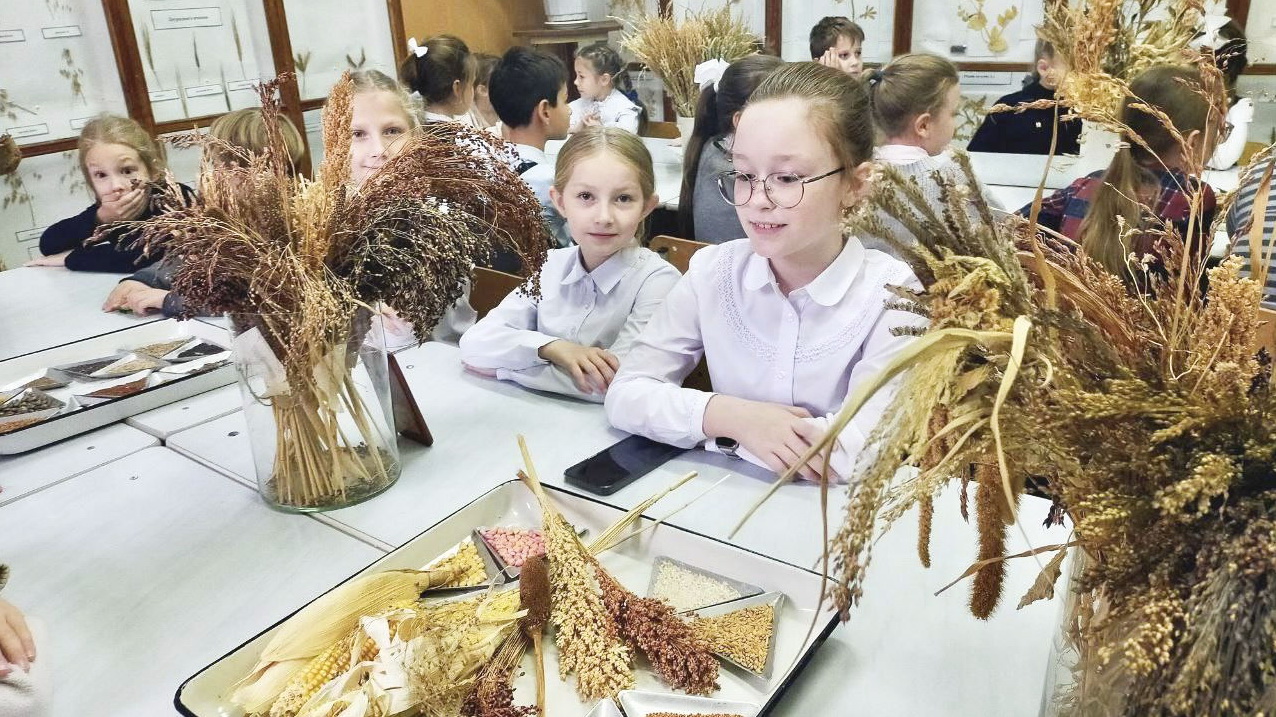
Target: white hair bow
<point>710,72</point>
<point>415,49</point>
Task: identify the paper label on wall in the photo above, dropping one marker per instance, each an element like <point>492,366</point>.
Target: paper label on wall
<point>30,130</point>
<point>237,85</point>
<point>12,36</point>
<point>52,33</point>
<point>984,78</point>
<point>78,124</point>
<point>27,235</point>
<point>179,18</point>
<point>164,95</point>
<point>203,91</point>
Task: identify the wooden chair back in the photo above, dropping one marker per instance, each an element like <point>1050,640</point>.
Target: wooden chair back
<point>661,130</point>
<point>676,251</point>
<point>489,287</point>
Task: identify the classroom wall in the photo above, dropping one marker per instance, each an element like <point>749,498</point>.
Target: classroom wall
<point>485,25</point>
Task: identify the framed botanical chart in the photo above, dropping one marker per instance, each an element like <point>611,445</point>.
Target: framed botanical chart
<point>329,37</point>
<point>60,73</point>
<point>876,17</point>
<point>201,57</point>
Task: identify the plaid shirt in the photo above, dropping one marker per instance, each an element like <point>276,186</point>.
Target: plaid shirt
<point>1064,210</point>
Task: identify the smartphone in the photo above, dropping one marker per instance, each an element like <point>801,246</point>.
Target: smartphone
<point>616,467</point>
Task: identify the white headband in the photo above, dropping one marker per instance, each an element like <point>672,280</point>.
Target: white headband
<point>415,49</point>
<point>710,72</point>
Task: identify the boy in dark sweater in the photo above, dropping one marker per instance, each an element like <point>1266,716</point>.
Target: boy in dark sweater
<point>1030,131</point>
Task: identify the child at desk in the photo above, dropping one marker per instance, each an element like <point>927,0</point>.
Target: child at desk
<point>119,161</point>
<point>529,94</point>
<point>914,100</point>
<point>790,320</point>
<point>442,72</point>
<point>1144,185</point>
<point>702,213</point>
<point>838,42</point>
<point>607,97</point>
<point>596,296</point>
<point>148,290</point>
<point>1031,131</point>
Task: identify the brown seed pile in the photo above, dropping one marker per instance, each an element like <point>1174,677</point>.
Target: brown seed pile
<point>467,563</point>
<point>120,391</point>
<point>743,635</point>
<point>160,350</point>
<point>21,423</point>
<point>26,404</point>
<point>44,383</point>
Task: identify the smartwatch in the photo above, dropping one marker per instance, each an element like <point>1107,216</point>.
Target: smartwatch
<point>727,446</point>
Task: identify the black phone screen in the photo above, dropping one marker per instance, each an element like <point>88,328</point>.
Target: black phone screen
<point>616,467</point>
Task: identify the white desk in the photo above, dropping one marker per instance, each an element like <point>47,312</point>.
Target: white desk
<point>164,421</point>
<point>50,306</point>
<point>900,632</point>
<point>24,474</point>
<point>149,568</point>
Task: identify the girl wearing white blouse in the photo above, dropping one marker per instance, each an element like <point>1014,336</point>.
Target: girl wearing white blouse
<point>595,296</point>
<point>792,318</point>
<point>605,91</point>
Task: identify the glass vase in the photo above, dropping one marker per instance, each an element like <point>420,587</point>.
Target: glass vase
<point>316,399</point>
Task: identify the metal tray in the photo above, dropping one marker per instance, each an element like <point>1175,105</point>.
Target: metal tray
<point>204,693</point>
<point>169,387</point>
<point>742,588</point>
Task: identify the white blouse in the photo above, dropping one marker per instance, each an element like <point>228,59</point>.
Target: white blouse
<point>616,110</point>
<point>606,308</point>
<point>809,349</point>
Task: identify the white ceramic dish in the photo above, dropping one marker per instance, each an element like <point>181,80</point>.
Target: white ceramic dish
<point>605,708</point>
<point>742,588</point>
<point>167,387</point>
<point>205,693</point>
<point>776,601</point>
<point>637,703</point>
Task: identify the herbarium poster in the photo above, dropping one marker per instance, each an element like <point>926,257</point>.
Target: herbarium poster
<point>331,36</point>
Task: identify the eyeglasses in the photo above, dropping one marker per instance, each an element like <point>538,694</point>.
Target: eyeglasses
<point>784,189</point>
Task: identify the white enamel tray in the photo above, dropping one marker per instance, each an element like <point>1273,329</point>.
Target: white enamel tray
<point>205,694</point>
<point>173,383</point>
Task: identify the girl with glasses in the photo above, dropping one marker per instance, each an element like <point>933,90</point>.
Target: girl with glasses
<point>789,320</point>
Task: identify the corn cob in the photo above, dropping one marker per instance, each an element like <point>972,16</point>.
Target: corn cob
<point>320,671</point>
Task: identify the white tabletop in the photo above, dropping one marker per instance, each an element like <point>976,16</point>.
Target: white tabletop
<point>50,306</point>
<point>164,421</point>
<point>900,631</point>
<point>151,567</point>
<point>24,474</point>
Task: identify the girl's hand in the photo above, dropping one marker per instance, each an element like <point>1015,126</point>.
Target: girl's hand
<point>775,433</point>
<point>50,260</point>
<point>590,367</point>
<point>128,205</point>
<point>17,649</point>
<point>118,298</point>
<point>593,120</point>
<point>145,300</point>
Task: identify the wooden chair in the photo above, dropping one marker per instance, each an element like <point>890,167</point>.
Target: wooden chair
<point>489,287</point>
<point>1266,333</point>
<point>676,251</point>
<point>661,130</point>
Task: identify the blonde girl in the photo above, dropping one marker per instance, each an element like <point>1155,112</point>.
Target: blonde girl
<point>147,291</point>
<point>596,296</point>
<point>607,96</point>
<point>119,160</point>
<point>914,101</point>
<point>1147,186</point>
<point>789,320</point>
<point>442,71</point>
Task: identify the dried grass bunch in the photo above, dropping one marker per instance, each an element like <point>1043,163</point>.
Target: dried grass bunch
<point>1142,405</point>
<point>673,48</point>
<point>1107,43</point>
<point>303,262</point>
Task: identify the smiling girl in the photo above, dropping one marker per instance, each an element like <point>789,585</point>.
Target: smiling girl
<point>596,296</point>
<point>789,320</point>
<point>119,160</point>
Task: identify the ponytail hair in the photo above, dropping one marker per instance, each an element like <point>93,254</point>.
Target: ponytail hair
<point>715,117</point>
<point>447,59</point>
<point>1177,92</point>
<point>908,87</point>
